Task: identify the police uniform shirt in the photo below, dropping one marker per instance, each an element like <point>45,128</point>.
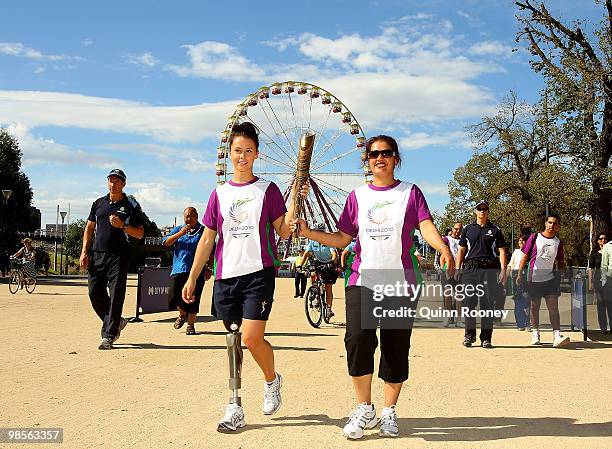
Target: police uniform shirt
<point>481,242</point>
<point>108,238</point>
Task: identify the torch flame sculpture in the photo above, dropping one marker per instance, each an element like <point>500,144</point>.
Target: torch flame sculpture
<point>302,173</point>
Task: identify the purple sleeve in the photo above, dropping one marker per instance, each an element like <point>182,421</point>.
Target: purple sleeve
<point>420,205</point>
<point>274,202</point>
<point>528,246</point>
<point>92,212</point>
<point>445,240</point>
<point>211,216</point>
<point>347,222</point>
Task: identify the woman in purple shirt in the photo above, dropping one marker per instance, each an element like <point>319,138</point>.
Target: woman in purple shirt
<point>382,216</point>
<point>244,213</point>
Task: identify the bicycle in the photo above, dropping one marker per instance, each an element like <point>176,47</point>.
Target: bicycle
<point>18,278</point>
<point>315,301</point>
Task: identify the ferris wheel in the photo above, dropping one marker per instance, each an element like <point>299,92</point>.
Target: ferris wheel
<point>283,113</point>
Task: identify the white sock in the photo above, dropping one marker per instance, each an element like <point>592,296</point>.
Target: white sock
<point>388,410</point>
<point>369,406</point>
<point>536,332</point>
<point>557,333</point>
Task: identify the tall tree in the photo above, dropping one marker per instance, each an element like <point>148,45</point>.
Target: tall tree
<point>15,215</point>
<point>578,71</point>
<point>510,170</point>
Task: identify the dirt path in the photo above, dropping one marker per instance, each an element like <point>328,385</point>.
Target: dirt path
<point>162,389</point>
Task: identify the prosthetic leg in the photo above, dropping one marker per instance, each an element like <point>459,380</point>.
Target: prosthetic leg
<point>233,341</point>
<point>234,415</point>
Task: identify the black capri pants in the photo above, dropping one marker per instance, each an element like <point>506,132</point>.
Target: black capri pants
<point>361,343</point>
<point>175,295</point>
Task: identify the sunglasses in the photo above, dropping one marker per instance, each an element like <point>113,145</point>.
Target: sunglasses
<point>601,238</point>
<point>386,154</point>
<point>482,209</point>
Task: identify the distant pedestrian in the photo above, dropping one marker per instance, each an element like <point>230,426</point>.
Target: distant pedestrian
<point>105,253</point>
<point>300,277</point>
<point>477,246</point>
<point>542,252</point>
<point>606,274</point>
<point>184,241</point>
<point>521,302</point>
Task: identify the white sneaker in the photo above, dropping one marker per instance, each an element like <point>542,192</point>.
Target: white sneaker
<point>388,422</point>
<point>272,395</point>
<point>459,324</point>
<point>560,341</point>
<point>535,338</point>
<point>233,418</point>
<point>362,418</point>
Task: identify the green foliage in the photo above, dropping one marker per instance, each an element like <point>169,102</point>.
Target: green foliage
<point>510,171</point>
<point>16,215</point>
<point>73,241</point>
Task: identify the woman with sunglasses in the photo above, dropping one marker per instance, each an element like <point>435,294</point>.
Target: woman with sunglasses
<point>382,216</point>
<point>604,308</point>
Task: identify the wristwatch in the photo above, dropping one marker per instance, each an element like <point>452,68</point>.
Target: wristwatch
<point>124,226</point>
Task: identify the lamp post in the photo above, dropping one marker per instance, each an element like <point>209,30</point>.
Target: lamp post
<point>63,214</point>
<point>7,194</point>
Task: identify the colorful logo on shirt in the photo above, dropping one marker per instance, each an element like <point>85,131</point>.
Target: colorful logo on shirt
<point>238,216</point>
<point>380,218</point>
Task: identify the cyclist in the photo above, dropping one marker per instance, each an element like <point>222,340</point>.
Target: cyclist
<point>26,254</point>
<point>324,263</point>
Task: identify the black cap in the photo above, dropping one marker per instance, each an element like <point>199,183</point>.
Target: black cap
<point>118,173</point>
<point>481,202</point>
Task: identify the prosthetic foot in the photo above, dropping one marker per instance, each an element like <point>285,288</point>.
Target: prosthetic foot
<point>234,414</point>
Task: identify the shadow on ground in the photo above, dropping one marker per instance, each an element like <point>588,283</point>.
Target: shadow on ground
<point>463,428</point>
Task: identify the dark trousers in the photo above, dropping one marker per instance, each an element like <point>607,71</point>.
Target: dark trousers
<point>300,283</point>
<point>107,281</point>
<point>488,279</point>
<point>604,305</point>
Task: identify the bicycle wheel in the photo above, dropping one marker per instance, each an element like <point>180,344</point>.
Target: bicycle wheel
<point>312,305</point>
<point>13,282</point>
<point>30,284</point>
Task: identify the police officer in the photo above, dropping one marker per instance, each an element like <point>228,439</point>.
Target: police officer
<point>481,266</point>
<point>112,219</point>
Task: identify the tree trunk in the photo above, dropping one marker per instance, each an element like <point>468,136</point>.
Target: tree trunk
<point>601,207</point>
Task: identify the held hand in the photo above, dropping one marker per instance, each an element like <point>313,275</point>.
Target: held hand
<point>446,259</point>
<point>184,230</point>
<point>304,190</point>
<point>519,278</point>
<point>116,222</point>
<point>457,276</point>
<point>84,261</point>
<point>502,277</point>
<point>299,225</point>
<point>188,290</point>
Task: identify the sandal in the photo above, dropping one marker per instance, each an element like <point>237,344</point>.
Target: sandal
<point>180,321</point>
<point>190,329</point>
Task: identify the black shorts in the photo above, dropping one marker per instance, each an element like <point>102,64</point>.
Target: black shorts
<point>361,343</point>
<point>248,296</point>
<point>537,290</point>
<point>175,295</point>
<point>445,280</point>
<point>328,273</point>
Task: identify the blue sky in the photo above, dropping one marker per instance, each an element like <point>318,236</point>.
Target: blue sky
<point>148,86</point>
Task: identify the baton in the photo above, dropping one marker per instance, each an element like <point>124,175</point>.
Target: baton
<point>302,174</point>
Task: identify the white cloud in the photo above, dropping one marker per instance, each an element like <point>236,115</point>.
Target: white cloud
<point>87,42</point>
<point>168,124</point>
<point>212,59</point>
<point>38,70</point>
<point>144,59</point>
<point>433,188</point>
<point>491,48</point>
<point>46,151</point>
<point>418,140</point>
<point>19,50</point>
<point>158,200</point>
